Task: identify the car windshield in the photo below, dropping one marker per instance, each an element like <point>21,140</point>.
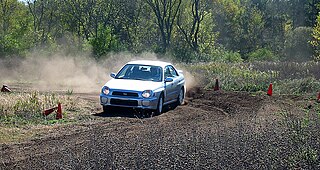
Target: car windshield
<point>140,72</point>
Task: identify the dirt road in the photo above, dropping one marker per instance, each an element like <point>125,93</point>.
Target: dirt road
<point>214,130</point>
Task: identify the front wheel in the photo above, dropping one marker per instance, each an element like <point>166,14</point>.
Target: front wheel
<point>160,105</point>
<point>180,99</point>
<point>106,109</point>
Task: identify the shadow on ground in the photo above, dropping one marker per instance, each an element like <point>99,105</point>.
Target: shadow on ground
<point>131,113</point>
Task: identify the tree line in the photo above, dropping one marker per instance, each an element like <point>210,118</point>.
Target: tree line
<point>188,30</point>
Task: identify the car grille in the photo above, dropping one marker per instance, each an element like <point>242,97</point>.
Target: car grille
<point>124,102</point>
<point>119,93</point>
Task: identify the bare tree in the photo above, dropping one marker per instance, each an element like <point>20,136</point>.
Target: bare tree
<point>43,14</point>
<point>191,34</point>
<point>166,12</point>
<point>5,15</point>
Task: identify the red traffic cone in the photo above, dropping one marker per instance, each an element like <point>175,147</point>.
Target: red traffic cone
<point>48,111</point>
<point>59,112</point>
<point>318,100</point>
<point>216,86</point>
<point>5,88</point>
<point>269,93</point>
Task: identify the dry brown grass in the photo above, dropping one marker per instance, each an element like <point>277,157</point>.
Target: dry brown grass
<point>21,113</point>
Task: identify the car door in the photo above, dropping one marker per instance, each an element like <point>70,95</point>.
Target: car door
<point>177,82</point>
<point>171,87</point>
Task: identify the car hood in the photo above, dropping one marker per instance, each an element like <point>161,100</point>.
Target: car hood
<point>135,85</point>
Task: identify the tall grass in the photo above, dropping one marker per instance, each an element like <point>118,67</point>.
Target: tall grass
<point>27,108</point>
<point>287,77</point>
<point>303,138</point>
<point>290,70</point>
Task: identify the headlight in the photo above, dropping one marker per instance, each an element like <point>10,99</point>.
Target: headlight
<point>105,90</point>
<point>147,93</point>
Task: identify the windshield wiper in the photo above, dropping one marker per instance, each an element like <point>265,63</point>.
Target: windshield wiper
<point>139,79</point>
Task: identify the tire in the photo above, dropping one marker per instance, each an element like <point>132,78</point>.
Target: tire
<point>180,99</point>
<point>106,109</point>
<point>160,105</point>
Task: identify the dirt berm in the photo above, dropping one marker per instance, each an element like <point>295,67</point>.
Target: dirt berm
<point>213,130</point>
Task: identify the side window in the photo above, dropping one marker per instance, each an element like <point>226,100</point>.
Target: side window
<point>170,72</point>
<point>167,72</point>
<point>173,71</point>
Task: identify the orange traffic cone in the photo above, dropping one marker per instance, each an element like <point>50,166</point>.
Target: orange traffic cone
<point>270,90</point>
<point>59,112</point>
<point>5,88</point>
<point>216,87</point>
<point>48,111</point>
<point>318,100</point>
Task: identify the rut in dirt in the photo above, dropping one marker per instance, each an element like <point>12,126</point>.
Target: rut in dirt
<point>230,103</point>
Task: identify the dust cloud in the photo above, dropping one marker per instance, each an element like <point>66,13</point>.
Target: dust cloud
<point>79,74</point>
<point>190,80</point>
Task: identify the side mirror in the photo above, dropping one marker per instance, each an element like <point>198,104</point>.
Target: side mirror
<point>113,75</point>
<point>168,79</point>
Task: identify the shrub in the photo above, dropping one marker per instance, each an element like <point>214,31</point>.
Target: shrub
<point>297,45</point>
<point>262,54</point>
<point>221,55</point>
<point>104,42</point>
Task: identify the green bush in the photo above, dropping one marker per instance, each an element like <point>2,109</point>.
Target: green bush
<point>222,55</point>
<point>104,42</point>
<point>297,45</point>
<point>187,55</point>
<point>262,54</point>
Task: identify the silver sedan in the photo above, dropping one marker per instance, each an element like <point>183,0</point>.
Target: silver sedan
<point>144,84</point>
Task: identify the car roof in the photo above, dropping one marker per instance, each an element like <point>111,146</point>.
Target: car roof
<point>150,62</point>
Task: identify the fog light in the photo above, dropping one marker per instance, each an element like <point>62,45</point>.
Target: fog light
<point>146,103</point>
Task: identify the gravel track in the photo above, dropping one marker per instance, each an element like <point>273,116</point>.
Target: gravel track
<point>214,130</point>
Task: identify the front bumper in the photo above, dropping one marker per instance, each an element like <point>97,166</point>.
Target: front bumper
<point>129,101</point>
